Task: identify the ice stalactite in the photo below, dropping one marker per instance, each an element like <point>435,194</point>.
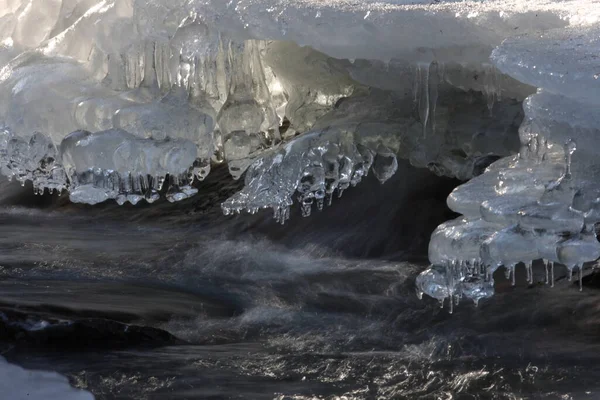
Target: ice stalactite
<point>428,78</point>
<point>248,122</point>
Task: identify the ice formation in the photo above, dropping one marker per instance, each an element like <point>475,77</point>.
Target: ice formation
<point>133,99</point>
<point>543,203</point>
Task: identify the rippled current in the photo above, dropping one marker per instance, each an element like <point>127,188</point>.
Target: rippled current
<point>180,302</point>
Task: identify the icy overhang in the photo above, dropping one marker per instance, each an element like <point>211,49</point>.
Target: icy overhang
<point>460,31</point>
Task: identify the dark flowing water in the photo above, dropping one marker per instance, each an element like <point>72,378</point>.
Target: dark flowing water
<point>181,302</point>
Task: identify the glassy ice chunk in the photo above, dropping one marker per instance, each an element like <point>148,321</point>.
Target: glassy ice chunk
<point>509,247</point>
<point>576,251</point>
<point>477,289</point>
<point>385,164</point>
<point>454,280</point>
<point>117,164</point>
<point>550,218</point>
<point>171,117</point>
<point>459,240</point>
<point>434,283</point>
<point>34,160</point>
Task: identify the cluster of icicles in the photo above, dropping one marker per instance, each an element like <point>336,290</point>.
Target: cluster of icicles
<point>129,100</point>
<point>474,280</point>
<point>140,145</point>
<point>544,203</point>
<point>536,205</point>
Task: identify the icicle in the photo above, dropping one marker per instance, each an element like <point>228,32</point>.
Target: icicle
<point>159,181</point>
<point>529,266</point>
<point>552,273</point>
<point>306,206</point>
<point>161,65</point>
<point>417,88</point>
<point>423,101</point>
<point>286,212</point>
<point>570,147</point>
<point>434,81</point>
<point>512,271</point>
<point>491,88</point>
<point>320,204</point>
<point>428,77</point>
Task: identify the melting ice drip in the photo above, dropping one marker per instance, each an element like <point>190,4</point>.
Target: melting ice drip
<point>544,203</point>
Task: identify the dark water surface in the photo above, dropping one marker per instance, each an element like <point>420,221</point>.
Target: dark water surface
<point>181,302</point>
